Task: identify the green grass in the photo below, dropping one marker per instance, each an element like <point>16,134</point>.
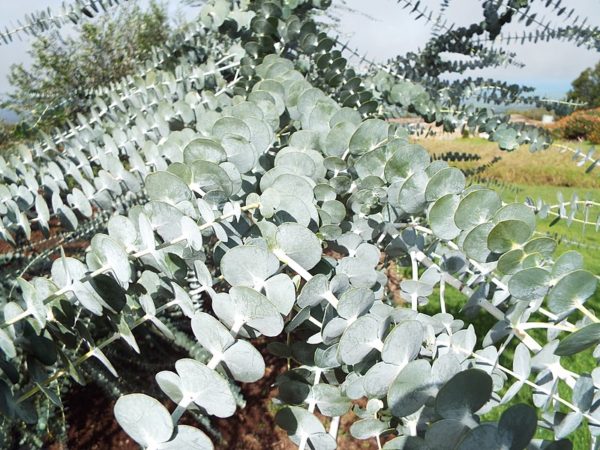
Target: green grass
<point>538,175</point>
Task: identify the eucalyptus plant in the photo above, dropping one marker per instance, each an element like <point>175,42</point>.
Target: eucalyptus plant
<point>256,190</point>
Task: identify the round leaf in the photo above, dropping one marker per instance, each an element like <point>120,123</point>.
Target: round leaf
<point>370,134</point>
<point>246,306</point>
<point>280,290</point>
<point>368,428</point>
<point>464,394</point>
<point>170,384</point>
<point>248,265</point>
<point>299,244</point>
<point>441,217</point>
<point>211,333</point>
<point>205,387</point>
<point>359,339</point>
<point>204,149</point>
<point>476,207</point>
<point>517,426</point>
<point>508,234</point>
<point>330,400</point>
<point>168,188</point>
<point>355,302</point>
<point>144,418</point>
<point>244,362</point>
<point>406,160</point>
<point>571,291</point>
<point>447,181</point>
<point>529,284</point>
<point>187,438</point>
<point>109,252</point>
<point>411,389</point>
<point>299,423</point>
<point>403,343</point>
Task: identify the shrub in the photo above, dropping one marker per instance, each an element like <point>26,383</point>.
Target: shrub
<point>257,193</point>
<point>580,125</point>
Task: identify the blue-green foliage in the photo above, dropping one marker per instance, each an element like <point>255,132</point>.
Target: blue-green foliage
<point>264,179</point>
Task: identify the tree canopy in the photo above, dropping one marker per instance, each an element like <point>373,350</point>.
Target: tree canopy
<point>586,87</point>
<point>67,67</point>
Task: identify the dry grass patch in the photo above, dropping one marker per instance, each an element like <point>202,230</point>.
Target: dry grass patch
<point>547,167</point>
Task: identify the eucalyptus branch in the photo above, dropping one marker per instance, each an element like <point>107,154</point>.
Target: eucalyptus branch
<point>537,388</point>
<point>91,352</point>
<point>134,255</point>
<point>492,278</point>
<point>292,129</point>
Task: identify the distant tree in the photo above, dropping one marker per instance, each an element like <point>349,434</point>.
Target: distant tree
<point>6,132</point>
<point>586,87</point>
<point>65,69</point>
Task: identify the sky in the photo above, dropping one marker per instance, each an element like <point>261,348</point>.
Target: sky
<point>550,67</point>
<point>381,29</point>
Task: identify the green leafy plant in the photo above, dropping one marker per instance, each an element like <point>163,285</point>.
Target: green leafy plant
<point>65,71</point>
<point>586,87</point>
<point>256,192</point>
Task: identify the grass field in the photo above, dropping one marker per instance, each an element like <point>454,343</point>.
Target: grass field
<point>518,175</point>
